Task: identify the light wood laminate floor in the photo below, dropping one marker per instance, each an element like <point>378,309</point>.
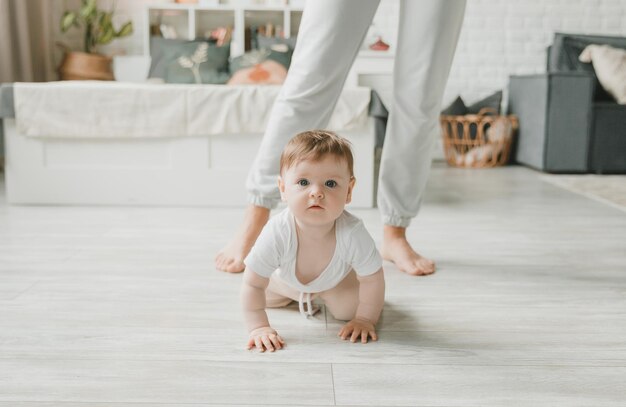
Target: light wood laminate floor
<point>105,306</point>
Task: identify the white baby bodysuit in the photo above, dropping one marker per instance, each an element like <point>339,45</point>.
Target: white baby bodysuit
<point>275,251</point>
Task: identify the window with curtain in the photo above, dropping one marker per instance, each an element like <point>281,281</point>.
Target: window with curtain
<point>27,34</point>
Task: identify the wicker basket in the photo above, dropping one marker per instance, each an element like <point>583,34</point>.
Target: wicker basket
<point>83,66</point>
<point>478,140</point>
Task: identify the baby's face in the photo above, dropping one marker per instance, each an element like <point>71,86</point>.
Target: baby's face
<point>317,191</point>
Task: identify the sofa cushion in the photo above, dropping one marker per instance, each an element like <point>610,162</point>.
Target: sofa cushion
<point>610,66</point>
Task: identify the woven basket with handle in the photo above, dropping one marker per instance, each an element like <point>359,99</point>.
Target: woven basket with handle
<point>478,140</point>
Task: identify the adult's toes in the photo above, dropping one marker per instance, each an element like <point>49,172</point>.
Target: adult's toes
<point>235,267</point>
<point>420,269</point>
<point>222,263</point>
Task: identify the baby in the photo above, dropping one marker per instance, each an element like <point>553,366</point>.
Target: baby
<point>314,248</point>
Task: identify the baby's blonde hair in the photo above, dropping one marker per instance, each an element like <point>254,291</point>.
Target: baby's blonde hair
<point>315,145</point>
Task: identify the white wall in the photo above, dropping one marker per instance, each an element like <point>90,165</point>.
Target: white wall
<point>499,37</point>
<point>503,37</point>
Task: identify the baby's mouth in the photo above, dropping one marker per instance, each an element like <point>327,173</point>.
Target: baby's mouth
<point>315,207</point>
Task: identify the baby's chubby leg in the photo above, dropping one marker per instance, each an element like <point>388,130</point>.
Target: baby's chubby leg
<point>343,299</point>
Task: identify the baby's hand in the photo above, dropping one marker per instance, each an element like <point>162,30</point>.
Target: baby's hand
<point>265,338</point>
<point>358,327</point>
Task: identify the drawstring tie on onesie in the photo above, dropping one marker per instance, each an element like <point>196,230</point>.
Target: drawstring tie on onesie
<point>309,311</point>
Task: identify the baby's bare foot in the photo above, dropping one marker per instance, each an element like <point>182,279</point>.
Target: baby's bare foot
<point>397,250</point>
<point>231,258</point>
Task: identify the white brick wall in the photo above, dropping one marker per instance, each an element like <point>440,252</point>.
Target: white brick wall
<point>500,37</point>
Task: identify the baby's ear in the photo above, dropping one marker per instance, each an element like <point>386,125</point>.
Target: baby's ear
<point>281,188</point>
<point>350,188</point>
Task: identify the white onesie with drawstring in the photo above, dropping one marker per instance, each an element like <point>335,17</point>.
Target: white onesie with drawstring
<point>276,248</point>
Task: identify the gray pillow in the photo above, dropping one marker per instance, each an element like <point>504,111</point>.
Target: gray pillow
<point>457,107</point>
<point>165,53</point>
<point>283,58</point>
<point>177,74</point>
<point>268,42</point>
<point>493,101</point>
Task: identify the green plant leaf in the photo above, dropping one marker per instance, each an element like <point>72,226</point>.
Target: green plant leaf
<point>105,18</point>
<point>88,10</point>
<point>68,20</point>
<point>98,24</point>
<point>106,26</point>
<point>107,36</point>
<point>127,29</point>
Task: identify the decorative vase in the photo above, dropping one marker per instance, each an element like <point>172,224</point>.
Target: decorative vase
<point>83,66</point>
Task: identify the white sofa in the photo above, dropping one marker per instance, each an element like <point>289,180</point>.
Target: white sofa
<point>98,143</point>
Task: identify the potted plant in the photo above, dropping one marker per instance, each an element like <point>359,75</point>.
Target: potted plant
<point>99,30</point>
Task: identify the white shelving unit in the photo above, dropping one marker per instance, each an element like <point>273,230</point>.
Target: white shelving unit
<point>193,20</point>
<point>371,68</point>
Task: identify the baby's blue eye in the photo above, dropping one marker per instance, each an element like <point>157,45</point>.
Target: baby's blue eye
<point>331,183</point>
<point>303,182</point>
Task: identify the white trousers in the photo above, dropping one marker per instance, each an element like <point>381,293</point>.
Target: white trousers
<point>329,38</point>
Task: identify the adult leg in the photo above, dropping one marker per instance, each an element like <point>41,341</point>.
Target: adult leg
<point>427,38</point>
<point>330,34</point>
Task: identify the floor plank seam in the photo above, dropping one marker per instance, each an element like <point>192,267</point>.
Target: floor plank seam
<point>109,403</point>
<point>309,363</point>
<point>25,290</point>
<point>332,378</point>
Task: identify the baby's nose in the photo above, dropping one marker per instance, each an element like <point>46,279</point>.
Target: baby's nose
<point>317,192</point>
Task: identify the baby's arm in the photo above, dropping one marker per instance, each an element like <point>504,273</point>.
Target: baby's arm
<point>253,299</point>
<point>371,301</point>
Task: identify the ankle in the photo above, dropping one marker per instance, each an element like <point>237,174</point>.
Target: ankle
<point>255,218</point>
<point>391,233</point>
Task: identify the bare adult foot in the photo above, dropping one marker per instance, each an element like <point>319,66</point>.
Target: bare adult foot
<point>231,258</point>
<point>397,250</point>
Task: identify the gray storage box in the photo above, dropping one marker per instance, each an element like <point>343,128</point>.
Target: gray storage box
<point>554,112</point>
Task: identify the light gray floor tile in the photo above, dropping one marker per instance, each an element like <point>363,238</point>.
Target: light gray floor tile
<point>154,404</point>
<point>157,381</point>
<point>478,385</point>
